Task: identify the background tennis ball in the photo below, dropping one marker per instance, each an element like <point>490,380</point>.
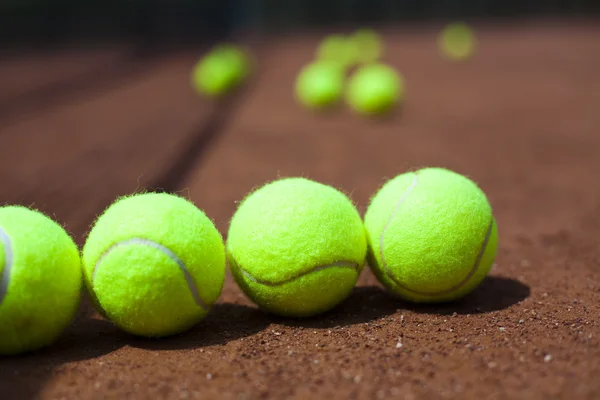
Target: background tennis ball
<point>40,280</point>
<point>296,247</point>
<point>221,71</point>
<point>154,264</point>
<point>457,41</point>
<point>238,57</point>
<point>432,236</point>
<point>374,89</point>
<point>368,45</point>
<point>320,85</point>
<point>337,48</point>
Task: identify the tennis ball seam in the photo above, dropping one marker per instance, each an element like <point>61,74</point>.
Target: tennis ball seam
<point>166,251</point>
<point>8,263</point>
<point>338,264</point>
<point>466,279</point>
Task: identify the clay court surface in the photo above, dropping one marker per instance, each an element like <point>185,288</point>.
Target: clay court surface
<point>522,119</point>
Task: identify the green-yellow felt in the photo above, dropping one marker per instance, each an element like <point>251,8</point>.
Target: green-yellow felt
<point>40,280</point>
<point>432,236</point>
<point>320,85</point>
<point>296,247</point>
<point>368,45</point>
<point>457,41</point>
<point>154,264</point>
<point>375,89</point>
<point>338,49</point>
<point>221,71</point>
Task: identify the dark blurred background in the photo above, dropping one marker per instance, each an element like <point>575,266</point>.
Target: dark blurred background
<point>40,22</point>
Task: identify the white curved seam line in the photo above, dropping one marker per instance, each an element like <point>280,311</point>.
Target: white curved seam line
<point>338,264</point>
<point>8,263</point>
<point>466,279</point>
<point>387,225</point>
<point>446,291</point>
<point>146,242</point>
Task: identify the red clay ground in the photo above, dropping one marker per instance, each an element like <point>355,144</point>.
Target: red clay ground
<point>521,119</point>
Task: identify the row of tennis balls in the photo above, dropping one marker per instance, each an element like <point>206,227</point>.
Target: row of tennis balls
<point>373,87</point>
<point>456,41</point>
<point>228,65</point>
<point>154,263</point>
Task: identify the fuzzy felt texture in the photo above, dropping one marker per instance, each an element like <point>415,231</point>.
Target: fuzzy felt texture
<point>296,247</point>
<point>44,282</point>
<point>139,256</point>
<point>431,235</point>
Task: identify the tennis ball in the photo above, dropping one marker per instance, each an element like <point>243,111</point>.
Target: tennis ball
<point>221,71</point>
<point>432,236</point>
<point>154,264</point>
<point>374,89</point>
<point>368,46</point>
<point>237,57</point>
<point>296,247</point>
<point>40,280</point>
<point>320,85</point>
<point>457,41</point>
<point>337,48</point>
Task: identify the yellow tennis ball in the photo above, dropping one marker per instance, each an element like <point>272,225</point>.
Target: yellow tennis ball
<point>221,71</point>
<point>40,280</point>
<point>457,41</point>
<point>154,264</point>
<point>337,48</point>
<point>368,45</point>
<point>432,236</point>
<point>296,247</point>
<point>374,89</point>
<point>320,85</point>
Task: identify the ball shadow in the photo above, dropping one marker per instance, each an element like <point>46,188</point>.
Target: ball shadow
<point>365,304</point>
<point>24,376</point>
<point>224,323</point>
<point>391,116</point>
<point>494,294</point>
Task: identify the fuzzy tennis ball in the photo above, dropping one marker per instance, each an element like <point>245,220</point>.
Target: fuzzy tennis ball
<point>457,41</point>
<point>221,71</point>
<point>368,46</point>
<point>432,236</point>
<point>320,85</point>
<point>296,247</point>
<point>40,280</point>
<point>154,264</point>
<point>374,89</point>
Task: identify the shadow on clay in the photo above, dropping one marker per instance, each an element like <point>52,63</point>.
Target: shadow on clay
<point>24,376</point>
<point>495,293</point>
<point>225,322</point>
<point>365,304</point>
<point>369,303</point>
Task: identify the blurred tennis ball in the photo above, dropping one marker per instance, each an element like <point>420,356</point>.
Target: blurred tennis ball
<point>374,89</point>
<point>337,48</point>
<point>320,84</point>
<point>457,41</point>
<point>368,45</point>
<point>225,68</point>
<point>239,58</point>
